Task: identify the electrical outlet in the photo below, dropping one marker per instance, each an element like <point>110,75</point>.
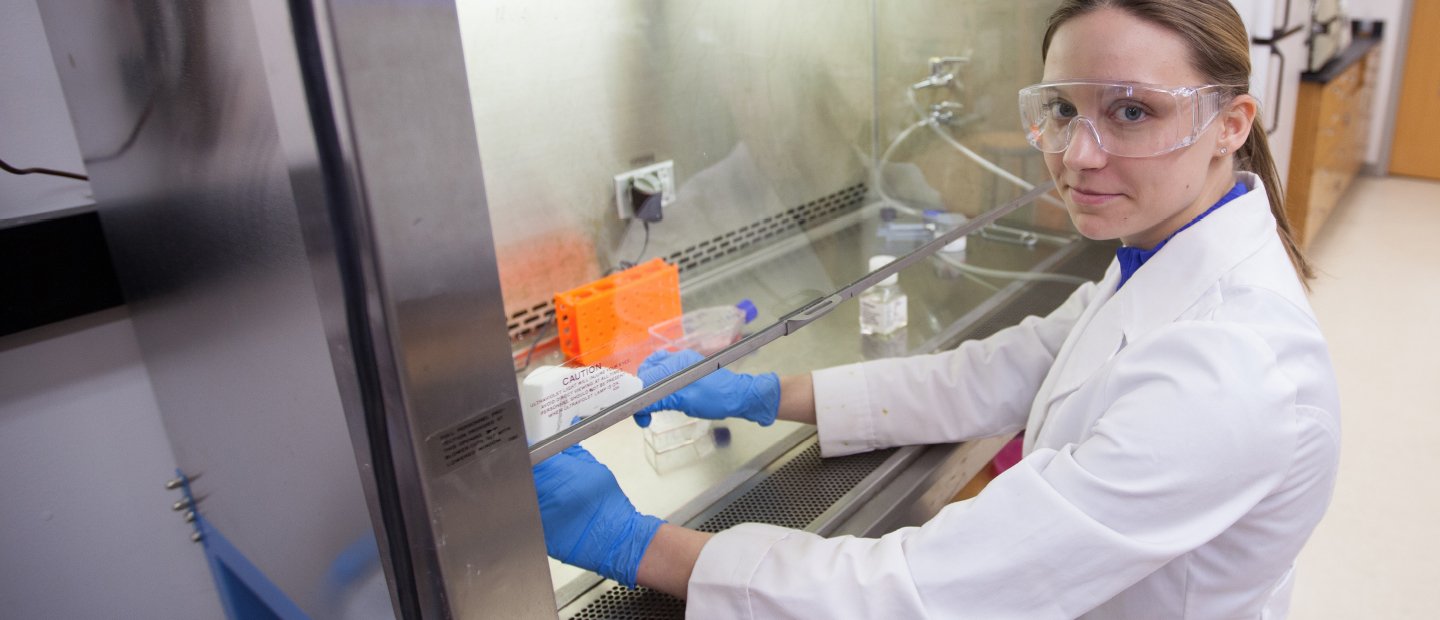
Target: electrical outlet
<point>664,172</point>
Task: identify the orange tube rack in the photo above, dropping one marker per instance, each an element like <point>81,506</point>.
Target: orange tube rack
<point>603,322</point>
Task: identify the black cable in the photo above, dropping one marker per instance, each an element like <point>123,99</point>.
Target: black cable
<point>625,264</point>
<point>643,246</point>
<point>134,134</point>
<point>124,146</point>
<point>540,335</point>
<point>59,173</point>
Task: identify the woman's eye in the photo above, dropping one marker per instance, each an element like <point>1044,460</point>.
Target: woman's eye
<point>1132,113</point>
<point>1062,109</point>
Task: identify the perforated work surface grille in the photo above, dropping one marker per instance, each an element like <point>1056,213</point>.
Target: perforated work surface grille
<point>524,323</point>
<point>638,604</point>
<point>794,496</point>
<point>799,491</point>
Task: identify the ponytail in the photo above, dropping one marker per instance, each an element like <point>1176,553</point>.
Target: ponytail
<point>1255,157</point>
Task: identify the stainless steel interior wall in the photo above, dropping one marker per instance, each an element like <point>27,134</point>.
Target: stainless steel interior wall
<point>762,105</point>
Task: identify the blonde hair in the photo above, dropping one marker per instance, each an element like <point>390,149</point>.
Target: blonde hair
<point>1220,50</point>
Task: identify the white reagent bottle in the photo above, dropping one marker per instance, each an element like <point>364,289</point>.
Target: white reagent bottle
<point>883,307</point>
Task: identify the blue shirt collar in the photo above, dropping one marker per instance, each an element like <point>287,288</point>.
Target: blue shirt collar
<point>1131,258</point>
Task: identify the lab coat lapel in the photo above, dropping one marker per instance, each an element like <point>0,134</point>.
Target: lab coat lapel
<point>1155,295</point>
<point>1193,261</point>
<point>1060,371</point>
<point>1097,336</point>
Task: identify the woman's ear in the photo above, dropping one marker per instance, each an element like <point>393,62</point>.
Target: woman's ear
<point>1235,122</point>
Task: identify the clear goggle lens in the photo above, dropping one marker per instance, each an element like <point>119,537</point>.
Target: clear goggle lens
<point>1125,119</point>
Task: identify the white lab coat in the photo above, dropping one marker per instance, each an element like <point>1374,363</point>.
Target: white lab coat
<point>1182,439</point>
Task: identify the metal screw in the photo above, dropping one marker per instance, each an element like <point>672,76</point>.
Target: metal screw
<point>944,112</point>
<point>180,505</point>
<point>190,516</point>
<point>197,537</point>
<point>171,485</point>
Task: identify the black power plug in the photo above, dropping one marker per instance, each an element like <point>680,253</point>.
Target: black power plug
<point>646,194</point>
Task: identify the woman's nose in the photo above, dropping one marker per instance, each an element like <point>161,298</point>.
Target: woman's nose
<point>1084,152</point>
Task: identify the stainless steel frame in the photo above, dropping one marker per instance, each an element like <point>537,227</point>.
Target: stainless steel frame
<point>431,299</point>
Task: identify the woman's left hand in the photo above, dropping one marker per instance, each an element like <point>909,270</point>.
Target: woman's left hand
<point>716,396</point>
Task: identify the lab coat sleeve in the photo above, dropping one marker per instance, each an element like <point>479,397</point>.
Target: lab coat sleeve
<point>1200,429</point>
<point>980,389</point>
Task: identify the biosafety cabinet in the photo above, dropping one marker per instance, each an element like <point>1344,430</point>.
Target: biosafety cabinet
<point>356,236</point>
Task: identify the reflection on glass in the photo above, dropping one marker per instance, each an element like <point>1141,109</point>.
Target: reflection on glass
<point>882,346</point>
<point>806,137</point>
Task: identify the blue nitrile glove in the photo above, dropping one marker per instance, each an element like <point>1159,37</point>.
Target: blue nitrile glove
<point>588,521</point>
<point>720,394</point>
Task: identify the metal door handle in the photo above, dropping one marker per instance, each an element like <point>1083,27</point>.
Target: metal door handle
<point>812,312</point>
<point>1279,87</point>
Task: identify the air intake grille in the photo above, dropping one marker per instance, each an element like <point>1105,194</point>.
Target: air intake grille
<point>526,322</point>
<point>793,496</point>
<point>798,218</point>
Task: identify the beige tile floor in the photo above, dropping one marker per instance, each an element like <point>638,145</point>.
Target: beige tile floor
<point>1377,553</point>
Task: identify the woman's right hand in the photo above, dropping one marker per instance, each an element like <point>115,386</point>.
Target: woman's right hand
<point>720,394</point>
<point>588,521</point>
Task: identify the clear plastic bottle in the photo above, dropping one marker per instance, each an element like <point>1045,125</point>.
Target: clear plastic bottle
<point>884,308</point>
<point>706,330</point>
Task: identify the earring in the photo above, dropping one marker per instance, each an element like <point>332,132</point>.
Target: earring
<point>1224,150</point>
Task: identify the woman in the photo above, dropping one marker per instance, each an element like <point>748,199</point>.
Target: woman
<point>1182,426</point>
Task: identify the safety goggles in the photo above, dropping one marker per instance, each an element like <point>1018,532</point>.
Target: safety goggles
<point>1125,118</point>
